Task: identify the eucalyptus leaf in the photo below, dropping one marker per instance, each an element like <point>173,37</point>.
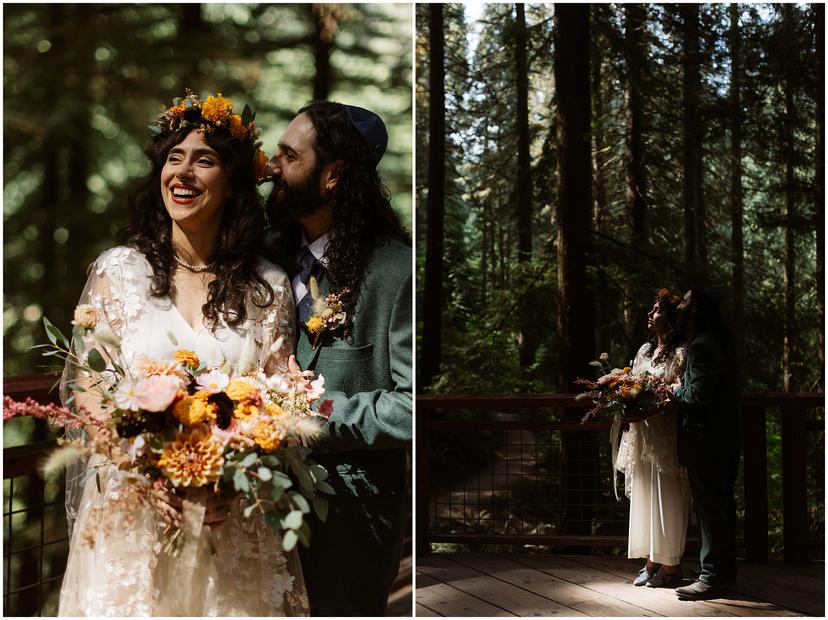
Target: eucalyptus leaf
<point>248,460</point>
<point>596,364</point>
<point>154,128</point>
<point>289,541</point>
<point>240,482</point>
<point>264,474</point>
<point>282,480</point>
<point>278,493</point>
<point>96,361</point>
<point>271,460</point>
<point>49,334</point>
<point>300,502</point>
<point>249,510</point>
<point>76,388</point>
<point>293,520</point>
<point>172,338</point>
<point>325,487</point>
<point>319,472</point>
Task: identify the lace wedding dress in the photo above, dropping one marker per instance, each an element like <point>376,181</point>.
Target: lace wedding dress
<point>654,481</point>
<point>116,566</point>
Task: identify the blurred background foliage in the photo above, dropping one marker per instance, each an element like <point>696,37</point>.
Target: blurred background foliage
<point>81,82</point>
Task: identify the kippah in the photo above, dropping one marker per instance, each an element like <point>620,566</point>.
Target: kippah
<point>371,128</point>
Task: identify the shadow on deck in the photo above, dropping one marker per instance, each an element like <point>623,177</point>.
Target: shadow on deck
<point>579,585</point>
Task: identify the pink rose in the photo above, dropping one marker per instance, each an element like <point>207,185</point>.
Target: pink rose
<point>156,393</point>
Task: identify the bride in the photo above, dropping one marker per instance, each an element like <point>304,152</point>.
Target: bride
<point>654,481</point>
<point>187,267</point>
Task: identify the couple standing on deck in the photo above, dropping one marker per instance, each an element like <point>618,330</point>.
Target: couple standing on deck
<point>691,448</point>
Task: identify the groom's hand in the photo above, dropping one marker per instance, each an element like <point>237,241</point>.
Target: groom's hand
<point>293,365</point>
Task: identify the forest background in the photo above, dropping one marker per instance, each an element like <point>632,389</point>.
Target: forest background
<point>572,160</point>
<point>81,83</point>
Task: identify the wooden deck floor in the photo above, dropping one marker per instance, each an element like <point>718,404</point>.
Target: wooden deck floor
<point>554,585</point>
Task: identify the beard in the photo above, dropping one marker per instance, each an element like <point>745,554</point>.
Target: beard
<point>295,202</point>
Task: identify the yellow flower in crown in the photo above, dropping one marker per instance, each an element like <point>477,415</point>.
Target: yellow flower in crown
<point>237,128</point>
<point>195,409</point>
<point>188,358</point>
<point>217,109</point>
<point>192,459</point>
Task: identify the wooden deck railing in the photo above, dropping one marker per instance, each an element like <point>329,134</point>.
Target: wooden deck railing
<point>794,429</point>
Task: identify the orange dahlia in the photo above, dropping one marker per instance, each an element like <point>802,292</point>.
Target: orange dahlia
<point>192,459</point>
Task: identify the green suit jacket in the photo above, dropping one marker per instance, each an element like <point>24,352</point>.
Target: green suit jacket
<point>368,376</point>
<point>709,417</point>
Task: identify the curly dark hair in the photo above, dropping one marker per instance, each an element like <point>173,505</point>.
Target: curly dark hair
<point>704,314</point>
<point>360,205</point>
<point>668,308</point>
<point>243,219</point>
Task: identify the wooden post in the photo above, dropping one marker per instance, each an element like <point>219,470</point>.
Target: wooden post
<point>794,485</point>
<point>756,484</point>
<point>422,515</point>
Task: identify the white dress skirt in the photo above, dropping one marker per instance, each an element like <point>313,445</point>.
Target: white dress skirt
<point>655,483</point>
<point>116,565</point>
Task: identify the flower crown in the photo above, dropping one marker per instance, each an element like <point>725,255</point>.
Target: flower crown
<point>215,112</point>
<point>664,295</point>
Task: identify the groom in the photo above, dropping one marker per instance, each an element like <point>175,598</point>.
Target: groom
<point>338,229</point>
<point>709,437</point>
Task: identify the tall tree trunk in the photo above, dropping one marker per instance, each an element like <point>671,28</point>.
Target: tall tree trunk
<point>789,123</point>
<point>599,184</point>
<point>574,207</point>
<point>819,14</point>
<point>527,341</point>
<point>695,254</point>
<point>636,191</point>
<point>736,192</point>
<point>325,25</point>
<point>433,312</point>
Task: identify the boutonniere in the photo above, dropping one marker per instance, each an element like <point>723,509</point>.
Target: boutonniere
<point>329,316</point>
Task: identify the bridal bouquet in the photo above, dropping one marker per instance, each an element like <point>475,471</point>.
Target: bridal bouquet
<point>175,423</point>
<point>618,392</point>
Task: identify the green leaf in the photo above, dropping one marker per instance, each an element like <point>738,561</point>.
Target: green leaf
<point>172,338</point>
<point>249,510</point>
<point>154,128</point>
<point>270,460</point>
<point>278,493</point>
<point>247,115</point>
<point>77,340</point>
<point>320,507</point>
<point>76,388</point>
<point>325,487</point>
<point>597,364</point>
<point>282,480</point>
<point>300,502</point>
<point>274,518</point>
<point>49,334</point>
<point>290,540</point>
<point>304,535</point>
<point>176,101</point>
<point>96,361</point>
<point>264,474</point>
<point>240,482</point>
<point>319,472</point>
<point>249,460</point>
<point>293,520</point>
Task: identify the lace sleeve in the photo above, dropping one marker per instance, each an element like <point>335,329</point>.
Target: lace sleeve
<point>103,293</point>
<point>274,327</point>
<point>638,362</point>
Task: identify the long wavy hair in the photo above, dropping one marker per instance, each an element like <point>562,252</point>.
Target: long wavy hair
<point>242,221</point>
<point>704,314</point>
<point>360,204</point>
<point>672,340</point>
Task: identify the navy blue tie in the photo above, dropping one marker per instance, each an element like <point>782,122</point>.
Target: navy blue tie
<point>308,266</point>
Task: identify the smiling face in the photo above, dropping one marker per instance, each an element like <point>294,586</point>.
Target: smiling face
<point>194,184</point>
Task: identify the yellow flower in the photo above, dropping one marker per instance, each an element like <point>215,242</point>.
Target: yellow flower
<point>625,392</point>
<point>192,459</point>
<point>188,358</point>
<point>238,130</point>
<point>240,390</point>
<point>216,109</point>
<point>195,409</point>
<point>260,164</point>
<point>245,411</point>
<point>267,436</point>
<point>636,386</point>
<point>315,324</point>
<point>273,410</point>
<point>627,369</point>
